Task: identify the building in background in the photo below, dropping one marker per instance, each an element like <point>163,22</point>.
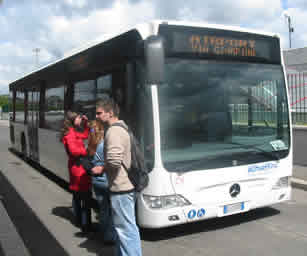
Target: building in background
<point>296,67</point>
<point>295,60</point>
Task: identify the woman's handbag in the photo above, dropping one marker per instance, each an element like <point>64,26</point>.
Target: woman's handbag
<point>86,162</point>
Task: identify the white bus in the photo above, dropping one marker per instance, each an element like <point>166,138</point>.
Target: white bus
<point>209,105</point>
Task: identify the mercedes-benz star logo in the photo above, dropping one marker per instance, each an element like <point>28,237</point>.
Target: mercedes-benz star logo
<point>234,190</point>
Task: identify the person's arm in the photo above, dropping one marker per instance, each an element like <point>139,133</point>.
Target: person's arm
<point>98,160</point>
<point>73,146</point>
<point>85,133</point>
<point>115,147</point>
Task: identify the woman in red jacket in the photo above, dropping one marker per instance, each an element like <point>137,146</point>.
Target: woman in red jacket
<point>80,182</point>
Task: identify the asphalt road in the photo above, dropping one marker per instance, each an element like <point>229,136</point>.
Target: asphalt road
<point>40,210</point>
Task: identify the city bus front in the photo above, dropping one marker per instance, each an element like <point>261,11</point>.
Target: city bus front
<point>222,131</point>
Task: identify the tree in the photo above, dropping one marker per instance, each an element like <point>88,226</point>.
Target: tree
<point>4,100</point>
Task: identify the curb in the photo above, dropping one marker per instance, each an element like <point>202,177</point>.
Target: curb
<point>299,127</point>
<point>10,241</point>
<point>4,123</point>
<point>298,183</point>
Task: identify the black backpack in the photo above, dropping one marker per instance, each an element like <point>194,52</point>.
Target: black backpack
<point>138,172</point>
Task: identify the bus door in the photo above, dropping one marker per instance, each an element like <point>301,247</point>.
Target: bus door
<point>33,123</point>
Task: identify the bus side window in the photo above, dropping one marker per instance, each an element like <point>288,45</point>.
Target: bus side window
<point>54,108</point>
<point>20,107</point>
<point>13,103</point>
<point>84,98</point>
<point>119,92</point>
<point>104,87</point>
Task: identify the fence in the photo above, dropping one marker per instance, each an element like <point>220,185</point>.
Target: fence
<point>298,97</point>
<point>264,107</point>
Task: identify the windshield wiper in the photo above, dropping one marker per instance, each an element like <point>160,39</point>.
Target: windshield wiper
<point>260,150</point>
<point>192,163</point>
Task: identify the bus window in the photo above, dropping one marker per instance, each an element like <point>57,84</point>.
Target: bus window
<point>211,108</point>
<point>104,87</point>
<point>119,85</point>
<point>84,98</point>
<point>54,110</point>
<point>143,114</point>
<point>12,105</point>
<point>20,107</point>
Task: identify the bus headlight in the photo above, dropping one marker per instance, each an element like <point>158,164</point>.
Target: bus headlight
<point>165,202</point>
<point>282,183</point>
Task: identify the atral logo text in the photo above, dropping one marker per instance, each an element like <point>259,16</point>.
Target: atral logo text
<point>261,168</point>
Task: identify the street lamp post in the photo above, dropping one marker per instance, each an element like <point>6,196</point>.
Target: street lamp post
<point>290,28</point>
<point>36,50</point>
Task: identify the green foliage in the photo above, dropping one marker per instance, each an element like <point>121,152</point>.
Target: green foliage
<point>5,103</point>
<point>4,100</point>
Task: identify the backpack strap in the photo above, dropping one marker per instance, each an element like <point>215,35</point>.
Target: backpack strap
<point>98,157</point>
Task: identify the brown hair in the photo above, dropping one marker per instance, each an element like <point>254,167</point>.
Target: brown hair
<point>68,122</point>
<point>108,105</point>
<point>95,136</point>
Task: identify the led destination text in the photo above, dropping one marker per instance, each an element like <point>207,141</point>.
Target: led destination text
<point>222,46</point>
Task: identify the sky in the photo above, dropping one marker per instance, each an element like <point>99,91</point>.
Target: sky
<point>57,26</point>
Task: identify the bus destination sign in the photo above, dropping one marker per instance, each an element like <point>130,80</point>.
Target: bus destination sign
<point>221,44</point>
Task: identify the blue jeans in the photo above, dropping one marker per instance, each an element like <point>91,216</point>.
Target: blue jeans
<point>100,186</point>
<point>128,237</point>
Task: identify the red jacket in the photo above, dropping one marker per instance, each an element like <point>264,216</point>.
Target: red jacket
<point>73,143</point>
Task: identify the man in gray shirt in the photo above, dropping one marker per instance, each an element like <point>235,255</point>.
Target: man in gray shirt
<point>117,151</point>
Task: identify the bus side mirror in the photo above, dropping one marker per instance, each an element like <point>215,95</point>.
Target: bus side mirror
<point>154,60</point>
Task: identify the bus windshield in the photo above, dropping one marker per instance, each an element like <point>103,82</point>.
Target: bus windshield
<point>216,114</point>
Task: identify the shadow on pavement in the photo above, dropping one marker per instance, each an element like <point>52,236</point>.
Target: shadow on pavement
<point>94,241</point>
<point>206,225</point>
<point>35,235</point>
<point>1,251</point>
<point>64,212</point>
<point>94,244</point>
<point>48,174</point>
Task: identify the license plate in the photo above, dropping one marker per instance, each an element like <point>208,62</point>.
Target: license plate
<point>231,208</point>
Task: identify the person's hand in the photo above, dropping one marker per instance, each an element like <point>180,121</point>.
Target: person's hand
<point>84,117</point>
<point>97,170</point>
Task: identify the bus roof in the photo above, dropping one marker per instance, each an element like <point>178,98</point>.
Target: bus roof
<point>151,28</point>
<point>143,30</point>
